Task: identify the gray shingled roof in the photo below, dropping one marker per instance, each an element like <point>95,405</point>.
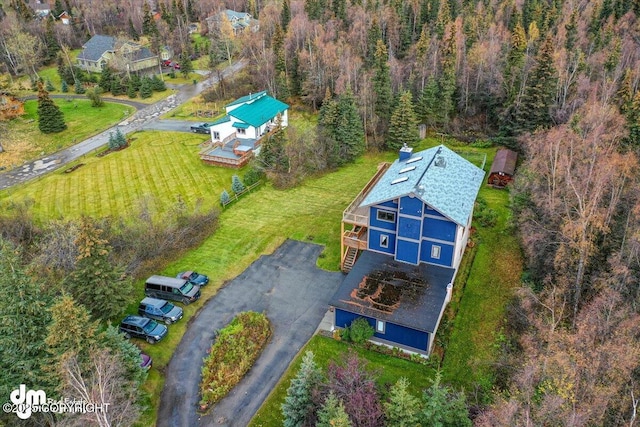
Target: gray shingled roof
<point>96,46</point>
<point>419,304</point>
<point>438,176</point>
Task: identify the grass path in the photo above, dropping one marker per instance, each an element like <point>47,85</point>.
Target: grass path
<point>494,275</point>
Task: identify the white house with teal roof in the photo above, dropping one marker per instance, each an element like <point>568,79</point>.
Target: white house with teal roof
<point>237,135</point>
<point>403,238</point>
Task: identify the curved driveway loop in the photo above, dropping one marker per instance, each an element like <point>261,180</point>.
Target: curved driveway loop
<point>293,293</point>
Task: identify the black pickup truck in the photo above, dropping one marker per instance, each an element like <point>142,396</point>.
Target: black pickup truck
<point>201,128</point>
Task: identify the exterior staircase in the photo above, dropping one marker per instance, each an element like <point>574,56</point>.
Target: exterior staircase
<point>349,259</point>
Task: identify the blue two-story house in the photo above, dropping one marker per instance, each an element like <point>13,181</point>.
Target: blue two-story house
<point>405,236</point>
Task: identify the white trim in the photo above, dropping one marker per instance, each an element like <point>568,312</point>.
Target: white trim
<point>435,251</point>
<point>442,242</point>
<point>395,215</point>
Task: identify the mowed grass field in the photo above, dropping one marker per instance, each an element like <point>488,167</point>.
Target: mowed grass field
<point>23,140</point>
<point>159,166</point>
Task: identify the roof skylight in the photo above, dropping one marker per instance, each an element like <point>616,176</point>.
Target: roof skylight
<point>399,180</point>
<point>409,169</point>
<point>414,159</point>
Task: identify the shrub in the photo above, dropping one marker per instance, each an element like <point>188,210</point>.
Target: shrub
<point>252,176</point>
<point>236,349</point>
<point>361,330</point>
<point>64,88</point>
<point>79,87</point>
<point>224,197</point>
<point>157,84</point>
<point>236,185</point>
<point>484,215</point>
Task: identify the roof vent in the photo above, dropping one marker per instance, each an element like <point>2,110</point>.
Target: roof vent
<point>409,169</point>
<point>414,159</point>
<point>440,162</point>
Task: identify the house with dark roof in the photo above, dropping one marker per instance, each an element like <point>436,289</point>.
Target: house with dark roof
<point>403,238</point>
<point>122,55</point>
<point>237,136</point>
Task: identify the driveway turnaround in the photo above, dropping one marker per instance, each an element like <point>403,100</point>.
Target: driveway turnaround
<point>293,293</point>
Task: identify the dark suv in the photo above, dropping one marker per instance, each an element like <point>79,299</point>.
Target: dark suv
<point>193,277</point>
<point>142,327</point>
<point>159,309</point>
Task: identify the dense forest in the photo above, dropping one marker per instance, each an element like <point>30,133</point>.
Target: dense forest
<point>556,80</point>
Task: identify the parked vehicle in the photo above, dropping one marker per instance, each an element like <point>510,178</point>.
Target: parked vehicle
<point>201,128</point>
<point>194,277</point>
<point>171,64</point>
<point>170,288</point>
<point>146,361</point>
<point>142,327</point>
<point>159,309</point>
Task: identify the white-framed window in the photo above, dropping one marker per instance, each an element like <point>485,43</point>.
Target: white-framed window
<point>216,135</point>
<point>380,326</point>
<point>384,241</point>
<point>387,216</point>
<point>242,131</point>
<point>435,252</point>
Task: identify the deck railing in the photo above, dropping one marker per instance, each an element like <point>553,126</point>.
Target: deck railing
<point>349,214</point>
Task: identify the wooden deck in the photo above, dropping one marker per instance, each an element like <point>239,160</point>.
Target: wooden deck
<point>355,239</point>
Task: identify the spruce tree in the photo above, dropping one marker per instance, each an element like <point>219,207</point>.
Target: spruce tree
<point>402,409</point>
<point>96,283</point>
<point>539,95</point>
<point>403,128</point>
<point>442,406</point>
<point>273,154</point>
<point>236,185</point>
<point>131,89</point>
<point>332,413</point>
<point>120,139</point>
<point>64,88</point>
<point>24,306</point>
<point>78,87</point>
<point>285,15</point>
<point>133,34</point>
<point>49,86</point>
<point>382,84</point>
<point>224,197</point>
<point>298,404</point>
<point>106,79</point>
<point>50,118</point>
<point>186,66</point>
<point>349,132</point>
<point>149,27</point>
<point>428,103</point>
<point>145,88</point>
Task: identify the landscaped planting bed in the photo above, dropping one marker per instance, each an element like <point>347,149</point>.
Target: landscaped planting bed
<point>237,347</point>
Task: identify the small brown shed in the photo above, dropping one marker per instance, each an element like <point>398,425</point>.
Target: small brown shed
<point>502,168</point>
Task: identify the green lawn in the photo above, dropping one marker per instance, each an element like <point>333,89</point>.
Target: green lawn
<point>388,370</point>
<point>23,140</point>
<point>494,274</point>
<point>163,165</point>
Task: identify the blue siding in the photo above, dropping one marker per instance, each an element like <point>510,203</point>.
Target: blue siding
<point>394,333</point>
<point>446,253</point>
<point>407,251</point>
<point>375,222</point>
<point>374,241</point>
<point>411,206</point>
<point>440,229</point>
<point>429,211</point>
<point>390,204</point>
<point>409,228</point>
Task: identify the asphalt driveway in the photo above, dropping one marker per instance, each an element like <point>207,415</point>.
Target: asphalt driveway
<point>293,293</point>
